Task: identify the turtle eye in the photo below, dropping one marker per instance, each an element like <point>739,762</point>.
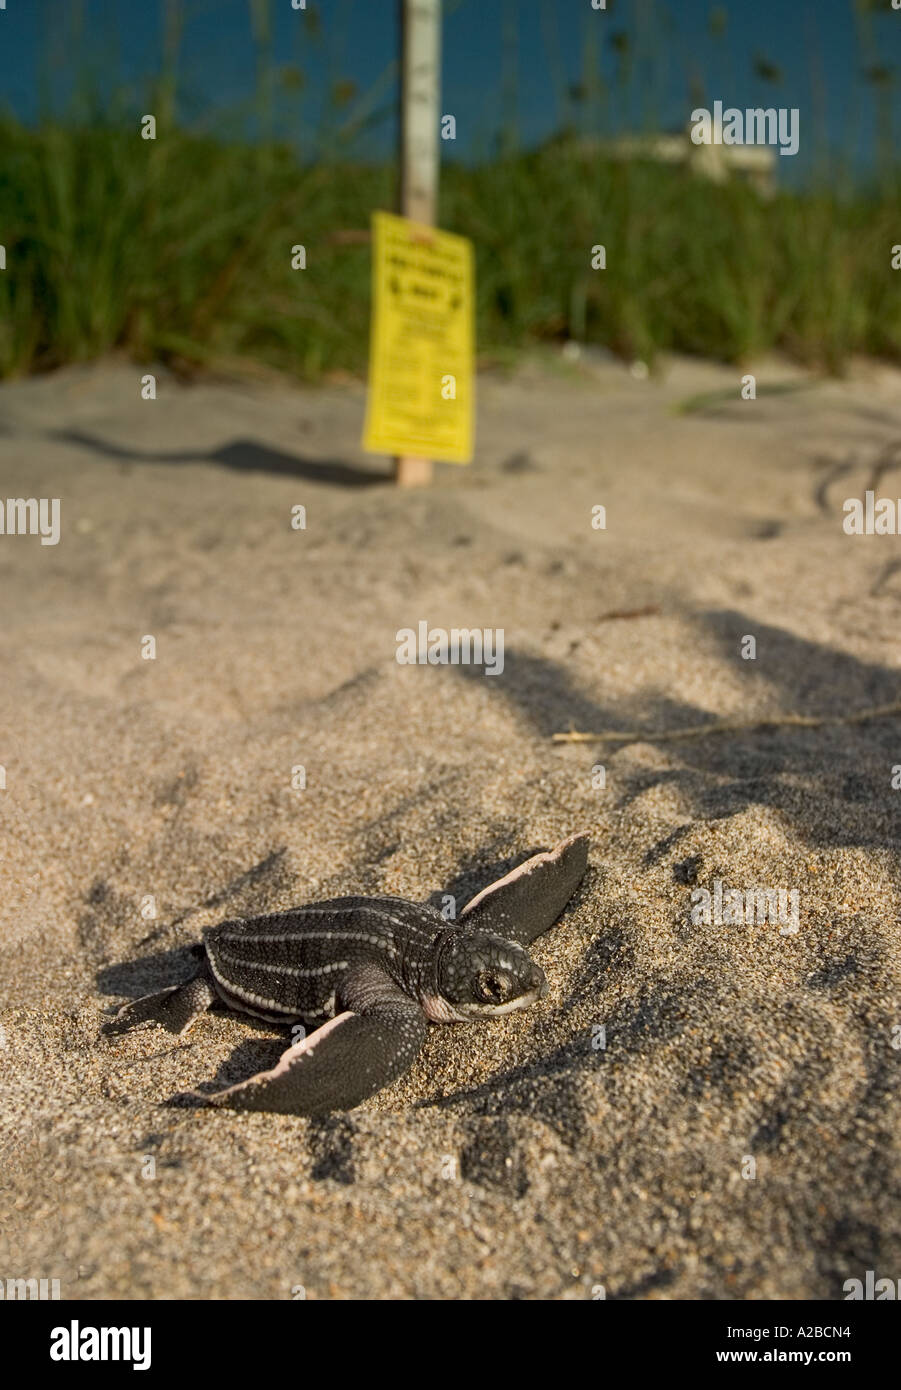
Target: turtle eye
<point>491,988</point>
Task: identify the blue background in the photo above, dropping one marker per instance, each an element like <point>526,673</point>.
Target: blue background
<point>46,44</point>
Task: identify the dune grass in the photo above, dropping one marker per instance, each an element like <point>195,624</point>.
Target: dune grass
<point>180,249</point>
<point>691,266</point>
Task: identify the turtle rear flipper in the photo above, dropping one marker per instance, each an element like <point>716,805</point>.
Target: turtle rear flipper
<point>345,1061</point>
<point>175,1008</point>
<point>527,902</point>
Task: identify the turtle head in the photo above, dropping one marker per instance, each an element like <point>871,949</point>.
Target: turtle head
<point>480,975</point>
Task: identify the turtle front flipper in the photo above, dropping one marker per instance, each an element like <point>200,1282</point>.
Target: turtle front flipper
<point>175,1008</point>
<point>344,1062</point>
<point>526,902</point>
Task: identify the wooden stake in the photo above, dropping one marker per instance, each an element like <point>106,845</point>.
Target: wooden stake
<point>420,23</point>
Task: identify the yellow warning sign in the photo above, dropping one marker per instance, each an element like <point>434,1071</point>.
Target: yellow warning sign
<point>420,399</point>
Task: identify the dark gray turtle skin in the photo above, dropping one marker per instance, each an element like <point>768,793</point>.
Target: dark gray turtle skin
<point>367,973</point>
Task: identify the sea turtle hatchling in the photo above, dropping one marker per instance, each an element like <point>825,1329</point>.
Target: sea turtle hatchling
<point>367,974</point>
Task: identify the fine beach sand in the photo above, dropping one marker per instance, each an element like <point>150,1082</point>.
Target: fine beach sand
<point>516,1159</point>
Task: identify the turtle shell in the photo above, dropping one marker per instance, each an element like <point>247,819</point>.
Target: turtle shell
<point>289,965</point>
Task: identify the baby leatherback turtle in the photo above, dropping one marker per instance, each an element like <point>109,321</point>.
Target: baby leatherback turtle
<point>367,974</point>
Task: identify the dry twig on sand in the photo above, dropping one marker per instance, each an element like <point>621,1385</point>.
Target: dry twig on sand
<point>729,726</point>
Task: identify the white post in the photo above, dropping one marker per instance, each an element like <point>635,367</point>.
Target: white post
<point>420,22</point>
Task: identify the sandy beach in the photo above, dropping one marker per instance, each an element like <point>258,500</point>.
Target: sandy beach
<point>736,1136</point>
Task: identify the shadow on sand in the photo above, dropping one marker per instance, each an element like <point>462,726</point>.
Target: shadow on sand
<point>242,455</point>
